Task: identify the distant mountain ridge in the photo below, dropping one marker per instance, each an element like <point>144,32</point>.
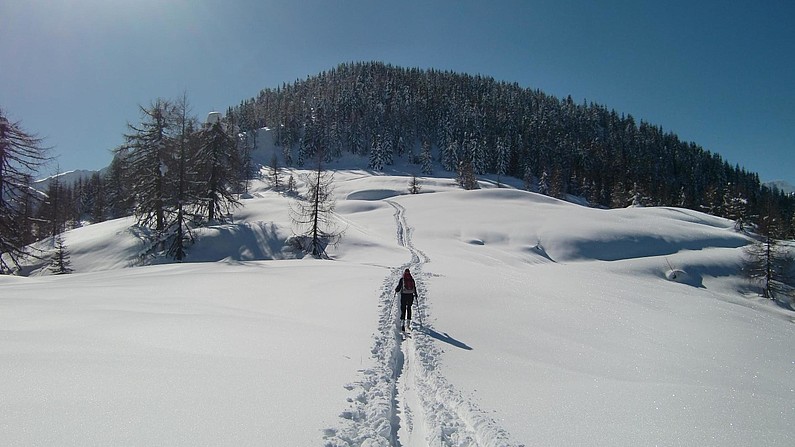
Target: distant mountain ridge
<point>782,186</point>
<point>68,178</point>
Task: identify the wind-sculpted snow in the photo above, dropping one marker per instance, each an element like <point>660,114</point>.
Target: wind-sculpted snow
<point>515,221</point>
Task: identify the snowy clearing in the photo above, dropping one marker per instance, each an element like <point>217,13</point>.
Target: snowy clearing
<point>539,322</point>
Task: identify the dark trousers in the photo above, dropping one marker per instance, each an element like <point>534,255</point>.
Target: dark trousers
<point>406,300</point>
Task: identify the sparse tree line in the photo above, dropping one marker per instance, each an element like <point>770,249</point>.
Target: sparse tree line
<point>172,173</point>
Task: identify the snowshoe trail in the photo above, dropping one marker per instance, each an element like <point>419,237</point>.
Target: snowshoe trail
<point>403,400</point>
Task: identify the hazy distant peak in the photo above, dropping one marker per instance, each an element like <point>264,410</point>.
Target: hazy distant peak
<point>782,186</point>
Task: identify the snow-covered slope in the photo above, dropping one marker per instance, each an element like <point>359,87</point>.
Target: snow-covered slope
<point>539,322</point>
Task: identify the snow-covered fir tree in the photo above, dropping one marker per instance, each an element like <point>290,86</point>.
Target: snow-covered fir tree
<point>60,263</point>
<point>638,197</point>
<point>378,155</point>
<point>451,154</point>
<point>527,178</point>
<point>414,185</point>
<point>620,196</point>
<point>543,183</point>
<point>736,209</point>
<point>503,158</point>
<point>426,158</point>
<point>466,176</point>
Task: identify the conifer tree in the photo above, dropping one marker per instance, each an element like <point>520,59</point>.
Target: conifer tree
<point>543,183</point>
<point>768,262</point>
<point>245,167</point>
<point>591,193</point>
<point>149,158</point>
<point>24,219</point>
<point>713,201</point>
<point>527,178</point>
<point>21,155</point>
<point>637,196</point>
<point>466,176</point>
<point>736,208</point>
<point>556,183</point>
<point>291,186</point>
<point>682,198</point>
<point>215,167</point>
<point>503,157</point>
<point>426,158</point>
<point>414,185</point>
<point>275,175</point>
<point>98,205</point>
<point>377,154</point>
<point>177,231</point>
<point>60,263</point>
<point>313,217</point>
<point>479,156</point>
<point>51,213</point>
<point>620,196</point>
<point>117,191</point>
<point>450,155</point>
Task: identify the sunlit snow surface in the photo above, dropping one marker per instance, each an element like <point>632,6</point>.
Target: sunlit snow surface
<point>539,322</point>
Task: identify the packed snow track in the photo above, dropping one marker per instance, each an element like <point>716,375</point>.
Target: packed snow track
<point>404,400</point>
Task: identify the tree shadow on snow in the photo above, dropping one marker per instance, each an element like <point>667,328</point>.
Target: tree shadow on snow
<point>785,297</point>
<point>788,305</point>
<point>447,339</point>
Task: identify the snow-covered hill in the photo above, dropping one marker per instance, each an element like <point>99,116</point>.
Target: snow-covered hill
<point>539,322</point>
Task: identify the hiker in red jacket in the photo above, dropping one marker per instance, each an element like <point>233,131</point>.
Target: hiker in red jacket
<point>408,291</point>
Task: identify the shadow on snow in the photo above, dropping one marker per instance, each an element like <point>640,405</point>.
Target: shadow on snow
<point>446,338</point>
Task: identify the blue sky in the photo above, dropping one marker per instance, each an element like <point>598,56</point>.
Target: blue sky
<point>721,74</point>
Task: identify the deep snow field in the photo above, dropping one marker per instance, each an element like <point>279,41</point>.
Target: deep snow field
<point>539,322</point>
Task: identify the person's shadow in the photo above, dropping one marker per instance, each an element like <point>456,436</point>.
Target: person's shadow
<point>446,338</point>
